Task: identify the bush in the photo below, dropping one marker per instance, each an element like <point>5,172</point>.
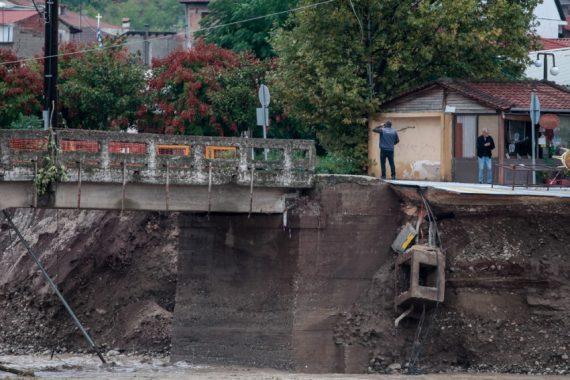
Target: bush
<point>26,122</point>
<point>335,164</point>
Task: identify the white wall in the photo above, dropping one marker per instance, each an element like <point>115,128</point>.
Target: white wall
<point>548,18</point>
<point>562,61</point>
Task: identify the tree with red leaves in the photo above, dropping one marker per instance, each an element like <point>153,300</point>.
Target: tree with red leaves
<point>206,90</point>
<point>20,89</point>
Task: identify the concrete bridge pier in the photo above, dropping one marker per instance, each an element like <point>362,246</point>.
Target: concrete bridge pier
<point>253,292</point>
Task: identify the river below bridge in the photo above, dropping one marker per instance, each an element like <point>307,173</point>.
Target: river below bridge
<point>144,367</point>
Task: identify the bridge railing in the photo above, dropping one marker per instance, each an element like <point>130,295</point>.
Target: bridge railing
<point>116,157</point>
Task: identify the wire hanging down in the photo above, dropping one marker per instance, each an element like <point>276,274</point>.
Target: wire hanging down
<point>53,286</point>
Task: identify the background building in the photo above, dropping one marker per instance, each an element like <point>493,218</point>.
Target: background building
<point>195,10</point>
<point>550,19</point>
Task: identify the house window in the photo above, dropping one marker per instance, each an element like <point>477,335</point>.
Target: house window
<point>518,142</point>
<point>6,34</point>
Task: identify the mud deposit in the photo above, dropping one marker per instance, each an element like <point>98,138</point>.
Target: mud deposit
<point>147,367</point>
<point>118,273</point>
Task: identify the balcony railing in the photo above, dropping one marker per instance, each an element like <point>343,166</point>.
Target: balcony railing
<point>116,157</point>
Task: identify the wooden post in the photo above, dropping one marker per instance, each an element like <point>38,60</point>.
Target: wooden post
<point>501,147</point>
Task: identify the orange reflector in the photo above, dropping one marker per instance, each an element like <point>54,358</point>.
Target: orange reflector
<point>29,144</point>
<point>227,152</point>
<point>127,148</point>
<point>173,150</point>
<point>80,146</point>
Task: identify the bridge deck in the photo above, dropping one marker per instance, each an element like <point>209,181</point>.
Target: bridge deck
<point>115,170</point>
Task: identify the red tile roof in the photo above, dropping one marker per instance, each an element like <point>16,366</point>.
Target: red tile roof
<point>73,19</point>
<point>67,16</point>
<point>11,17</point>
<point>554,43</point>
<point>504,96</point>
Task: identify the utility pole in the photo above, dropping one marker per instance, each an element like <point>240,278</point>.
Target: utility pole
<point>146,45</point>
<point>50,63</point>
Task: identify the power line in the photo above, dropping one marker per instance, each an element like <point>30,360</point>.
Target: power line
<point>169,36</point>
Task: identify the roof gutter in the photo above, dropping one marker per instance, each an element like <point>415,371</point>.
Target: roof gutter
<point>552,110</point>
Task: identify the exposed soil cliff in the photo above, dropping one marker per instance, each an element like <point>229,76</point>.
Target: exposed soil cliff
<point>507,301</point>
<point>507,305</point>
<point>118,273</point>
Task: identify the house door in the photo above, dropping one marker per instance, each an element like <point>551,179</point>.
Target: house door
<point>467,132</point>
<point>465,149</point>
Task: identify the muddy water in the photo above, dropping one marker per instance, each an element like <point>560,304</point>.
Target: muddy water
<point>139,367</point>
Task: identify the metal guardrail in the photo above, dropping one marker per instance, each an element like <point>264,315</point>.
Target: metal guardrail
<point>527,171</point>
<point>117,157</point>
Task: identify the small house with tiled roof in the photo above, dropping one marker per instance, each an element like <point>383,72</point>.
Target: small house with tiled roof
<point>439,123</point>
<point>22,27</point>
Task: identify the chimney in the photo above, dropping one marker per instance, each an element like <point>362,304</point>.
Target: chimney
<point>62,9</point>
<point>126,24</point>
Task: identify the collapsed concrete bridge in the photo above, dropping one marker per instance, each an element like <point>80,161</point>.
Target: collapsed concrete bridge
<point>314,295</point>
<point>112,170</point>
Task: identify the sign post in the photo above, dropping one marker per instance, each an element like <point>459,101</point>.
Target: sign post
<point>534,118</point>
<point>263,112</point>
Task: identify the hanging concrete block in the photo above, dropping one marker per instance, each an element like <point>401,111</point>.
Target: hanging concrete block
<point>420,276</point>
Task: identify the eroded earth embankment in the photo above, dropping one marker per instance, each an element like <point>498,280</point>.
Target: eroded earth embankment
<point>507,301</point>
<point>507,305</point>
<point>118,273</point>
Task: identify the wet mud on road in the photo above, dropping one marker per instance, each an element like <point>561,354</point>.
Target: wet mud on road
<point>145,367</point>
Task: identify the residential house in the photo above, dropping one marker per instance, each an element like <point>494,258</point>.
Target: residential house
<point>195,10</point>
<point>21,30</point>
<point>550,19</point>
<point>439,122</point>
<point>22,27</point>
<point>75,27</point>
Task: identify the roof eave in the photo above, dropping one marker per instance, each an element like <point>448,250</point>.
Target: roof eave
<point>551,110</point>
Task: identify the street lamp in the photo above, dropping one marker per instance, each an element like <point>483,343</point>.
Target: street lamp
<point>553,70</point>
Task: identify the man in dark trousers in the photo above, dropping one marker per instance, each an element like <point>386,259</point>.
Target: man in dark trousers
<point>485,146</point>
<point>388,139</point>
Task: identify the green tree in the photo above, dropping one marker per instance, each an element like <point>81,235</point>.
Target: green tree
<point>252,36</point>
<point>100,89</point>
<point>338,61</point>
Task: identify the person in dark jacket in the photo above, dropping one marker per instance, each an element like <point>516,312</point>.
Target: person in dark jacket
<point>388,139</point>
<point>485,146</point>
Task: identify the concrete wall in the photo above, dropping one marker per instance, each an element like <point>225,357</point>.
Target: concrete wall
<point>419,154</point>
<point>253,292</point>
<point>28,38</point>
<point>161,44</point>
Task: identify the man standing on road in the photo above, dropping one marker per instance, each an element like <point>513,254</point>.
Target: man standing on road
<point>485,146</point>
<point>388,139</point>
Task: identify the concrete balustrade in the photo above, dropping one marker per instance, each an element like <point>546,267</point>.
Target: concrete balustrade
<point>117,157</point>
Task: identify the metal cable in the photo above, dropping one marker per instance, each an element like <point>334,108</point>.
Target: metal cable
<point>419,340</point>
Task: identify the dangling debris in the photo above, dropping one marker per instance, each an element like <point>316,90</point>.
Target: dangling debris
<point>420,277</point>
